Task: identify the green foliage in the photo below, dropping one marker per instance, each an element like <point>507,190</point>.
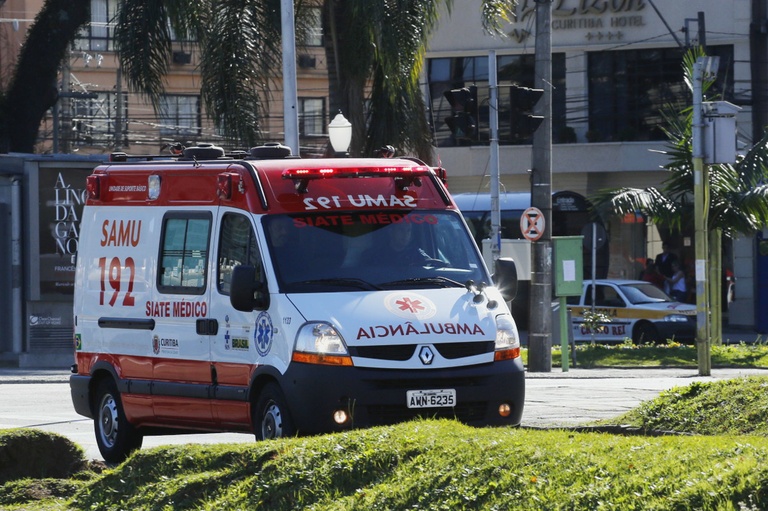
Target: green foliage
<point>35,453</point>
<point>595,320</point>
<point>731,407</point>
<point>443,465</point>
<point>737,193</point>
<point>671,354</point>
<point>23,491</point>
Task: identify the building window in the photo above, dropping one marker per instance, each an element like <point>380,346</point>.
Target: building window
<point>313,36</point>
<point>445,74</point>
<point>629,91</point>
<point>97,35</point>
<point>184,253</point>
<point>311,117</point>
<point>180,115</point>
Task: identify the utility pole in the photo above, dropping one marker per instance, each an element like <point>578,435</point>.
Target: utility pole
<point>540,318</point>
<point>290,95</point>
<point>701,213</point>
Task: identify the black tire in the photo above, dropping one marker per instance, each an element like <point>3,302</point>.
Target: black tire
<point>115,436</point>
<point>644,333</point>
<point>271,418</point>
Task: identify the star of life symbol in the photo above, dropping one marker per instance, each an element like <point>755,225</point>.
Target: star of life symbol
<point>226,340</point>
<point>410,306</point>
<point>406,304</point>
<point>263,334</point>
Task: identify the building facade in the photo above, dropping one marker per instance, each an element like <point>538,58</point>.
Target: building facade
<point>616,66</point>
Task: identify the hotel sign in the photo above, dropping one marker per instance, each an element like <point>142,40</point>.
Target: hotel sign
<point>595,20</point>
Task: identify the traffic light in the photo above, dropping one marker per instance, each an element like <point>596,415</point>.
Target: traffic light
<point>463,120</point>
<point>523,122</point>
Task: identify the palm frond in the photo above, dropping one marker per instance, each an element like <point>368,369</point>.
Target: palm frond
<point>143,42</point>
<point>241,50</point>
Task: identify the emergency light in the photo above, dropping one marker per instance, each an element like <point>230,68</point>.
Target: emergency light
<point>302,176</point>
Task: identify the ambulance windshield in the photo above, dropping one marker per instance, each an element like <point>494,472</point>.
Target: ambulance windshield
<point>335,252</point>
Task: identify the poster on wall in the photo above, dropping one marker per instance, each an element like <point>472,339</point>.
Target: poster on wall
<point>61,197</point>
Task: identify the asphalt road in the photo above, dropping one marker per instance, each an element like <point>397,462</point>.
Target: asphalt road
<point>41,399</point>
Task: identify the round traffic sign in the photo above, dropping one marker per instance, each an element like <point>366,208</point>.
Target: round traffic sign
<point>600,235</point>
<point>532,224</point>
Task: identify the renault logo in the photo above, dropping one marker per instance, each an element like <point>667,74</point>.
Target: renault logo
<point>426,356</point>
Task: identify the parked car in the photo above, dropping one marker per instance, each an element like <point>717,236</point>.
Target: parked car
<point>638,310</point>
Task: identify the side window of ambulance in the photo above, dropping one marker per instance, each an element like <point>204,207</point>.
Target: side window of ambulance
<point>184,253</point>
<point>237,245</point>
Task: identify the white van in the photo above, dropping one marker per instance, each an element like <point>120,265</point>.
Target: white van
<point>283,296</point>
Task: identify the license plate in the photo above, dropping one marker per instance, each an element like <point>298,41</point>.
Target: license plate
<point>431,398</point>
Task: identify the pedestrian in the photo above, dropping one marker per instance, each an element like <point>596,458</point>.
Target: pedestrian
<point>651,274</point>
<point>676,283</point>
<point>665,259</point>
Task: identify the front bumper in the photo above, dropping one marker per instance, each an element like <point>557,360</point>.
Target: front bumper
<point>378,396</point>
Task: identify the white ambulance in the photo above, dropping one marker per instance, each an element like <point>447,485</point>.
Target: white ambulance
<point>283,296</point>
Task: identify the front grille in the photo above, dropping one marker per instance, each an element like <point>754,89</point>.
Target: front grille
<point>381,415</point>
<point>402,352</point>
<point>454,350</point>
<point>384,352</point>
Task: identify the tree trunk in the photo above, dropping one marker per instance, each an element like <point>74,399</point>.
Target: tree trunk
<point>33,89</point>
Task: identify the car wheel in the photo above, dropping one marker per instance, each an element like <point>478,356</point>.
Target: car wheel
<point>645,333</point>
<point>271,418</point>
<point>115,436</point>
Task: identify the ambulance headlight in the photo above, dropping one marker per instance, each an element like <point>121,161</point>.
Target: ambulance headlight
<point>506,333</point>
<point>320,338</point>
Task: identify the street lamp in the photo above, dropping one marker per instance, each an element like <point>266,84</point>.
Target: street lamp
<point>340,133</point>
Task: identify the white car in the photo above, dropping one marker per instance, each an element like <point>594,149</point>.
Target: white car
<point>638,310</point>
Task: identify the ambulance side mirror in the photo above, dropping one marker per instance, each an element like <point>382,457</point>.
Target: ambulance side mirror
<point>247,292</point>
<point>505,277</point>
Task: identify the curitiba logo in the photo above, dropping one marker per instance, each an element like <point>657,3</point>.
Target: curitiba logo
<point>263,334</point>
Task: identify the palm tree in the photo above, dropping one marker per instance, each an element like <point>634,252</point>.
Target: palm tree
<point>738,193</point>
<point>32,89</point>
<point>376,42</point>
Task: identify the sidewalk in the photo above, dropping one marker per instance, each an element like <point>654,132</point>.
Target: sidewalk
<point>16,375</point>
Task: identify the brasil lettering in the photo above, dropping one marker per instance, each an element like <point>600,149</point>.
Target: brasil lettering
<point>379,331</point>
<point>176,309</point>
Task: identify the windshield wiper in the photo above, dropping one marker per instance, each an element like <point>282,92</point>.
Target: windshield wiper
<point>440,281</point>
<point>349,282</point>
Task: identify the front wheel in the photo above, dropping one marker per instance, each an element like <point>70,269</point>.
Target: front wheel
<point>644,333</point>
<point>115,436</point>
<point>271,418</point>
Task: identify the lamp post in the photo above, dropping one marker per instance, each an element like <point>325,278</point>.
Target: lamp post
<point>340,133</point>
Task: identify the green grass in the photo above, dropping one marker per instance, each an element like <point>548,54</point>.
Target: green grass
<point>733,407</point>
<point>718,461</point>
<point>664,355</point>
<point>441,465</point>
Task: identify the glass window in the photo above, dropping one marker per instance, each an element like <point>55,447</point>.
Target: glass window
<point>184,253</point>
<point>180,115</point>
<point>97,35</point>
<point>311,116</point>
<point>237,245</point>
<point>314,35</point>
<point>372,250</point>
<point>630,90</point>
